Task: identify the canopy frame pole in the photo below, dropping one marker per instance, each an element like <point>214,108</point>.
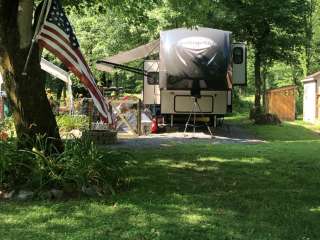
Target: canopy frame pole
<point>70,96</point>
<point>33,41</point>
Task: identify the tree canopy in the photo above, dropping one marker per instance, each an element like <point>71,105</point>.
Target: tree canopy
<point>276,32</point>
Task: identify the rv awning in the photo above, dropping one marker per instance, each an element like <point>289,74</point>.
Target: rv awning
<point>60,74</point>
<point>54,70</point>
<point>131,55</point>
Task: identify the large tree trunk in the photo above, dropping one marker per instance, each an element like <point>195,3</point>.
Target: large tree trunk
<point>264,86</point>
<point>257,75</point>
<point>31,109</point>
<point>309,35</point>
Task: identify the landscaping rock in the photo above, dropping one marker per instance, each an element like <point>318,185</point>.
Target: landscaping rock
<point>56,194</point>
<point>9,195</point>
<point>101,137</point>
<point>47,195</point>
<point>91,191</point>
<point>24,195</point>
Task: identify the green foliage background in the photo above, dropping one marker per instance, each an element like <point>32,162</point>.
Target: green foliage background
<point>285,35</point>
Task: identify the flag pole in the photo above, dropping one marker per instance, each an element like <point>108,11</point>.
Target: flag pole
<point>33,41</point>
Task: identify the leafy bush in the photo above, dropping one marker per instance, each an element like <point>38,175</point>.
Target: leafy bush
<point>82,165</point>
<point>67,123</point>
<point>241,102</point>
<point>15,165</point>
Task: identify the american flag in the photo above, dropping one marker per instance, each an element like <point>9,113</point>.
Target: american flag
<point>57,36</point>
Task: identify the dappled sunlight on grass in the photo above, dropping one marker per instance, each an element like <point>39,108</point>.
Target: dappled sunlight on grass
<point>315,210</point>
<point>314,127</point>
<point>300,141</point>
<point>180,164</point>
<point>252,160</point>
<point>193,218</point>
<point>287,131</point>
<point>234,191</point>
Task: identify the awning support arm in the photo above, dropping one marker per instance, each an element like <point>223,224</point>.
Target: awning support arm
<point>124,67</point>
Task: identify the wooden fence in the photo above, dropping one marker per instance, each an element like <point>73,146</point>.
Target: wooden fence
<point>282,101</point>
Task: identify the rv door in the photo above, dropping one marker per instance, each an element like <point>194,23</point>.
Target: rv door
<point>151,90</point>
<point>239,68</point>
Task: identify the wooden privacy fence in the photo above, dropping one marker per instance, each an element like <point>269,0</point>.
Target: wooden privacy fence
<point>282,101</point>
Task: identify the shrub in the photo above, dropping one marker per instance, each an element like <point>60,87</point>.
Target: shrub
<point>15,165</point>
<point>82,165</point>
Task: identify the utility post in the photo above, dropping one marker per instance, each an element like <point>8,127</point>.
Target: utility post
<point>139,118</point>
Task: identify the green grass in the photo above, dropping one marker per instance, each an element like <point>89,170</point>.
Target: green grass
<point>256,191</point>
<point>287,131</point>
<point>68,122</point>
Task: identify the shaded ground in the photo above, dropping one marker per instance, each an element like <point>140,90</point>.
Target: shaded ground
<point>226,134</point>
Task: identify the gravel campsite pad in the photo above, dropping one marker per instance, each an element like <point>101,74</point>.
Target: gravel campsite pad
<point>227,134</point>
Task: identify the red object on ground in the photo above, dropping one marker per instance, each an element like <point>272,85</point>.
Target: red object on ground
<point>154,126</point>
<point>4,136</point>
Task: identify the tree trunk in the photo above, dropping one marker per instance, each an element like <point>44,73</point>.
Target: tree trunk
<point>309,35</point>
<point>295,79</point>
<point>257,74</point>
<point>264,86</point>
<point>31,109</point>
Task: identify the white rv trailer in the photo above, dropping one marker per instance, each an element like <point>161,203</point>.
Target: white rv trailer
<point>202,58</point>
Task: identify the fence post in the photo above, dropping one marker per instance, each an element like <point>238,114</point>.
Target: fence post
<point>139,118</point>
<point>90,112</point>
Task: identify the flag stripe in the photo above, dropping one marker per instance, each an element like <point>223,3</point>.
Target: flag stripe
<point>79,67</point>
<point>65,48</point>
<point>66,60</point>
<point>74,68</point>
<point>62,52</point>
<point>49,26</point>
<point>79,54</point>
<point>58,37</point>
<point>62,37</point>
<point>89,75</point>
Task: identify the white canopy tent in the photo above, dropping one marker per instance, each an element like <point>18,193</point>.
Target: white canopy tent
<point>60,74</point>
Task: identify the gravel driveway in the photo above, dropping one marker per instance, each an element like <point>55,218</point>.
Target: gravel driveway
<point>226,134</point>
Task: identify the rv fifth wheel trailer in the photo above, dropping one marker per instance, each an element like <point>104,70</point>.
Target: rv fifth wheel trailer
<point>194,64</point>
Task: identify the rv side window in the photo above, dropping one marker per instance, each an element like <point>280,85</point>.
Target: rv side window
<point>238,55</point>
<point>153,78</point>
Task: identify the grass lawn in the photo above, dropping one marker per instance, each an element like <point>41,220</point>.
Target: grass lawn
<point>287,131</point>
<point>255,191</point>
